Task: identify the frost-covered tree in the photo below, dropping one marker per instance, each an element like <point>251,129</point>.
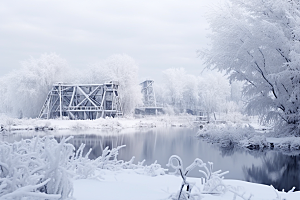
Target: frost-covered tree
<point>214,92</point>
<point>121,68</point>
<point>24,91</point>
<point>175,83</point>
<point>210,92</point>
<point>190,93</point>
<point>257,41</point>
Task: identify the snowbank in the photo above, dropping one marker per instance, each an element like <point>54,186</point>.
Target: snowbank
<point>128,185</point>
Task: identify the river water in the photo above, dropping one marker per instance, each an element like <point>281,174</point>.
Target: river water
<point>266,167</point>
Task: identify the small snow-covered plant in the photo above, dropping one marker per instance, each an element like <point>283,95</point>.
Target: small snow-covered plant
<point>213,180</point>
<point>239,192</point>
<point>214,183</point>
<point>85,168</point>
<point>109,160</point>
<point>152,170</point>
<point>81,165</point>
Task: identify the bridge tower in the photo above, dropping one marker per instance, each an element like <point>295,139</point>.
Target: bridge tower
<point>149,99</point>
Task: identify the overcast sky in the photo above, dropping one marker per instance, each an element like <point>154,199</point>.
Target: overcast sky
<point>158,34</point>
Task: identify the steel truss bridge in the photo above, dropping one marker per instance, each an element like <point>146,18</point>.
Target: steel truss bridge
<point>82,101</point>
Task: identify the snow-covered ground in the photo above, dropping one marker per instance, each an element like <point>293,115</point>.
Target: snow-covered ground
<point>12,124</point>
<point>129,185</point>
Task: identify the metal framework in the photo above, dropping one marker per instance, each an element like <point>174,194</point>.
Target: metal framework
<point>149,99</point>
<point>82,101</point>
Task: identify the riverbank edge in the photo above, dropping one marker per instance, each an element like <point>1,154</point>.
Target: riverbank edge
<point>12,124</point>
<point>248,137</point>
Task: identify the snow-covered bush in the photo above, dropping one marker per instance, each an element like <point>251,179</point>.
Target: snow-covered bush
<point>226,135</point>
<point>288,144</point>
<point>86,168</point>
<point>154,169</point>
<point>35,168</point>
<point>254,142</point>
<point>42,168</point>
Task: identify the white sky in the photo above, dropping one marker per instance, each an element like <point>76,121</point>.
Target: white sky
<point>158,34</point>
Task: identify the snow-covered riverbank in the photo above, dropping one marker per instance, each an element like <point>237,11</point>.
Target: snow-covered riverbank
<point>12,124</point>
<point>250,137</point>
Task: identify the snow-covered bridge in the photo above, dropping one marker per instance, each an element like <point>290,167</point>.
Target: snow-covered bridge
<point>82,101</point>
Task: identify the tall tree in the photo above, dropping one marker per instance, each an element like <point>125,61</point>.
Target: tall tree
<point>121,68</point>
<point>26,89</point>
<point>175,84</point>
<point>257,41</point>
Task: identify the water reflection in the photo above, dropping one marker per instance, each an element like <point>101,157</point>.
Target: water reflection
<point>281,171</point>
<point>267,167</point>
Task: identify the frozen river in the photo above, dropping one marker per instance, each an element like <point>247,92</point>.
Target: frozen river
<point>266,167</point>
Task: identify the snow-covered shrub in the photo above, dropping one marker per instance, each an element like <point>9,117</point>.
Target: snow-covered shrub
<point>295,144</point>
<point>226,135</point>
<point>35,168</point>
<point>152,170</point>
<point>42,168</point>
<point>81,165</point>
<point>86,168</point>
<point>255,142</point>
<point>288,144</point>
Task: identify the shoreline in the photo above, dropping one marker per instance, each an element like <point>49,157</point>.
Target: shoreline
<point>12,124</point>
<point>247,137</point>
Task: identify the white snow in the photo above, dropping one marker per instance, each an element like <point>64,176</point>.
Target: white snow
<point>128,185</point>
<point>12,124</point>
